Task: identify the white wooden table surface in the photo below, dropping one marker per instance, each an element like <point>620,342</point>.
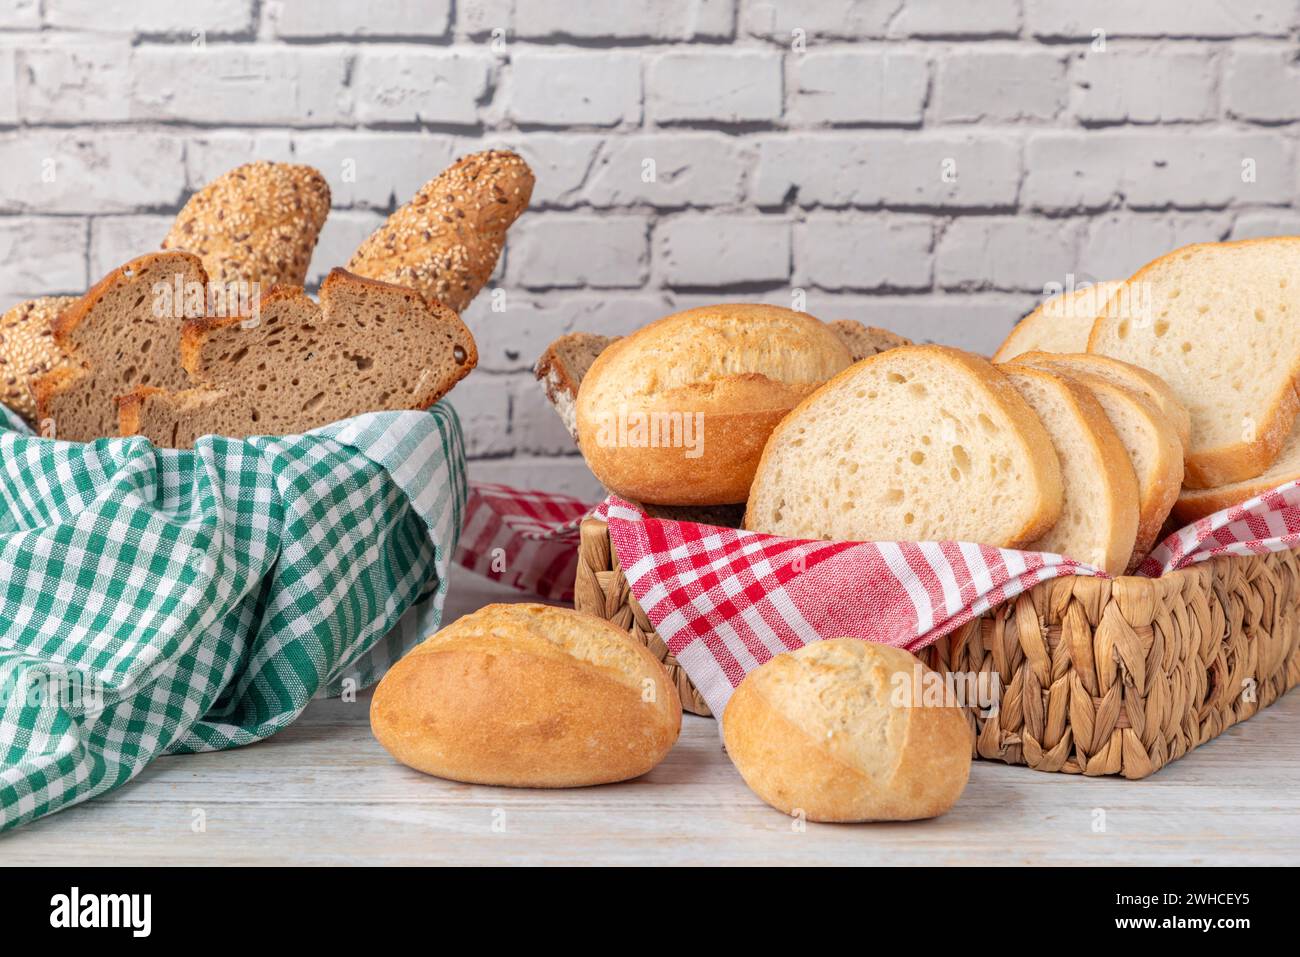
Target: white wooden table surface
<point>323,792</point>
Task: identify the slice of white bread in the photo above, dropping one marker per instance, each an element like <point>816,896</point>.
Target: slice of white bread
<point>368,347</point>
<point>1217,321</point>
<point>1060,324</point>
<point>122,335</point>
<point>1150,440</point>
<point>864,341</point>
<point>1196,503</point>
<point>1134,378</point>
<point>1099,522</point>
<point>914,444</point>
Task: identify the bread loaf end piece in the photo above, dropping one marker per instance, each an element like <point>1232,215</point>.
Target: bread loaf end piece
<point>446,241</point>
<point>561,369</point>
<point>28,350</point>
<point>919,443</point>
<point>835,731</point>
<point>526,695</point>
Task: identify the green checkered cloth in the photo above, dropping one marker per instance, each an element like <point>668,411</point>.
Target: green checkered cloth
<point>156,601</point>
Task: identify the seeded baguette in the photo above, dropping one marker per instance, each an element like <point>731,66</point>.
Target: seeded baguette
<point>367,347</point>
<point>731,371</point>
<point>257,223</point>
<point>446,241</point>
<point>1061,323</point>
<point>918,443</point>
<point>120,336</point>
<point>1099,520</point>
<point>1217,322</point>
<point>28,350</point>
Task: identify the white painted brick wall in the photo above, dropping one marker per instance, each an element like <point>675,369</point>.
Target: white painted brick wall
<point>924,165</point>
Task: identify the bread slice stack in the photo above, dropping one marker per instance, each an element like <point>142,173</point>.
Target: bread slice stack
<point>367,346</point>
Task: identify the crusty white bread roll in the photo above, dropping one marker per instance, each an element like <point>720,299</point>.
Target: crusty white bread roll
<point>1217,321</point>
<point>1099,521</point>
<point>1060,324</point>
<point>919,443</point>
<point>1150,439</point>
<point>678,412</point>
<point>527,695</point>
<point>838,731</point>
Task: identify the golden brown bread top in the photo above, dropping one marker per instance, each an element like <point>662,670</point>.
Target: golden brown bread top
<point>446,241</point>
<point>256,223</point>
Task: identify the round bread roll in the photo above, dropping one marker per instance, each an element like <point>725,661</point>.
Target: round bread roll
<point>678,412</point>
<point>818,731</point>
<point>527,695</point>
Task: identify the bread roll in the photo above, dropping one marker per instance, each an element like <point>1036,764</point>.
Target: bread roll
<point>27,350</point>
<point>919,443</point>
<point>678,412</point>
<point>1217,322</point>
<point>528,695</point>
<point>835,730</point>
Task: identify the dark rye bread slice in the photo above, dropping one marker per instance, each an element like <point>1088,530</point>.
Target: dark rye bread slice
<point>122,335</point>
<point>367,347</point>
<point>446,241</point>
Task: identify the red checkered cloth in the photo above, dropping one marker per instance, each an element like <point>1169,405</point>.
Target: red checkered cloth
<point>726,601</point>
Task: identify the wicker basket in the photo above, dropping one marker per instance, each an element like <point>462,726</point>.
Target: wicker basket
<point>1098,676</point>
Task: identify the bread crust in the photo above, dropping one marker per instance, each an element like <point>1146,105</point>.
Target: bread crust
<point>1038,451</point>
<point>790,766</point>
<point>704,364</point>
<point>446,241</point>
<point>490,700</point>
<point>1012,345</point>
<point>1225,465</point>
<point>28,350</point>
<point>863,341</point>
<point>1194,504</point>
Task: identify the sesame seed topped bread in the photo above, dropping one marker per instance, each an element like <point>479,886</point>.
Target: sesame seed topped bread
<point>917,443</point>
<point>864,340</point>
<point>1196,503</point>
<point>1217,321</point>
<point>678,412</point>
<point>1148,436</point>
<point>446,241</point>
<point>1099,521</point>
<point>1060,324</point>
<point>367,347</point>
<point>258,223</point>
<point>28,351</point>
<point>562,368</point>
<point>122,335</point>
<point>1134,378</point>
<point>526,695</point>
<point>834,732</point>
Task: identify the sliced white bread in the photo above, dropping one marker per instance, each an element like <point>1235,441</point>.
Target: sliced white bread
<point>1152,445</point>
<point>1196,503</point>
<point>918,443</point>
<point>1061,324</point>
<point>1217,321</point>
<point>1134,378</point>
<point>1099,522</point>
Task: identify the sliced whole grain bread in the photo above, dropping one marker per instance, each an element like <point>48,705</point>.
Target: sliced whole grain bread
<point>1061,323</point>
<point>1217,321</point>
<point>446,241</point>
<point>1196,503</point>
<point>122,335</point>
<point>864,341</point>
<point>1134,378</point>
<point>28,351</point>
<point>257,223</point>
<point>367,347</point>
<point>914,444</point>
<point>561,368</point>
<point>1099,521</point>
<point>1149,438</point>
